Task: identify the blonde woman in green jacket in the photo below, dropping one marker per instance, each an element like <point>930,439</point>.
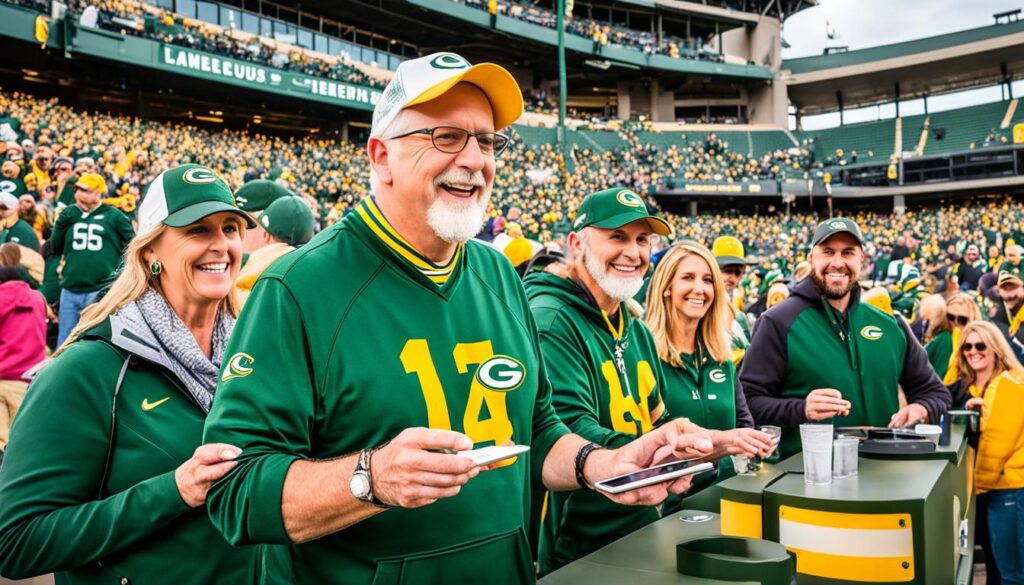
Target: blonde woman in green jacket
<point>689,318</point>
<point>105,479</point>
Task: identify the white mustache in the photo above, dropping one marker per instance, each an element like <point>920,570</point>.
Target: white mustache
<point>475,179</point>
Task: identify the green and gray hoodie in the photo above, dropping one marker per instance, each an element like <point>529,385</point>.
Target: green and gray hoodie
<point>803,344</point>
<point>87,487</point>
<point>604,378</point>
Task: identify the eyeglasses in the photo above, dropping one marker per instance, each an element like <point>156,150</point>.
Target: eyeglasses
<point>452,140</point>
<point>980,346</point>
<point>958,319</point>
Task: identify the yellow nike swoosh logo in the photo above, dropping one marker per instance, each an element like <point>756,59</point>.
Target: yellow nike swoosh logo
<point>147,405</point>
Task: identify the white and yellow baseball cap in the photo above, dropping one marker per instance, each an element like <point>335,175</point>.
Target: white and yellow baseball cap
<point>418,81</point>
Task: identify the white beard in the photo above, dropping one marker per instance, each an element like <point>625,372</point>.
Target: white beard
<point>458,222</point>
<point>620,289</point>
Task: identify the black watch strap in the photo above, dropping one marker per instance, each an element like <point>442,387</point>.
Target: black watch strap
<point>581,460</point>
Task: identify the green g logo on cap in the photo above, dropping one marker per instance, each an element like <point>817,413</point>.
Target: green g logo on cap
<point>871,333</point>
<point>837,225</point>
<point>449,61</point>
<point>501,373</point>
<point>199,176</point>
<point>629,198</point>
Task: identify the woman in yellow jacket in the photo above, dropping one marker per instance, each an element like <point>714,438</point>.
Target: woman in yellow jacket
<point>995,380</point>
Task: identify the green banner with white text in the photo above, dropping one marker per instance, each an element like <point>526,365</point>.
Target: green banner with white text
<point>263,78</point>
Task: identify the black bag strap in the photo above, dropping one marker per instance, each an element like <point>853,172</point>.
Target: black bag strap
<point>113,425</point>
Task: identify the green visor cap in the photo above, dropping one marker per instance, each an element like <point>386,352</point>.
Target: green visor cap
<point>259,194</point>
<point>613,208</point>
<point>836,225</point>
<point>184,195</point>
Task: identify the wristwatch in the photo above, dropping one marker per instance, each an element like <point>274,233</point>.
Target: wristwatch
<point>361,482</point>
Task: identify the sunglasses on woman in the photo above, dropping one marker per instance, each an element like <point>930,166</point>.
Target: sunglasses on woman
<point>961,320</point>
<point>980,347</point>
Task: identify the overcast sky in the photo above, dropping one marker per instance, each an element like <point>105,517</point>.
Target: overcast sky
<point>869,23</point>
<point>860,24</point>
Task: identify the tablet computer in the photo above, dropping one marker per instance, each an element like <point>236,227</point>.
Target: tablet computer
<point>652,475</point>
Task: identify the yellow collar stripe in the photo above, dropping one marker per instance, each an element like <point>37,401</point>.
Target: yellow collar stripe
<point>397,239</point>
<point>383,230</point>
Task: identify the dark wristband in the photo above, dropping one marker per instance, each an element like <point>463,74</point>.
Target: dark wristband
<point>581,460</point>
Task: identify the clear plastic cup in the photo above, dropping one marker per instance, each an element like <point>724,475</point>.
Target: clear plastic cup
<point>844,458</point>
<point>744,465</point>
<point>817,451</point>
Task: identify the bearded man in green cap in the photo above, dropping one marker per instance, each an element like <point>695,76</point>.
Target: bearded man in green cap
<point>606,374</point>
<point>822,355</point>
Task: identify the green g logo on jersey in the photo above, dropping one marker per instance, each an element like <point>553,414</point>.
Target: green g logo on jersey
<point>199,176</point>
<point>871,333</point>
<point>717,376</point>
<point>629,198</point>
<point>449,61</point>
<point>238,367</point>
<point>501,373</point>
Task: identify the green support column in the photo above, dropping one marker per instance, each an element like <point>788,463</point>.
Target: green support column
<point>563,141</point>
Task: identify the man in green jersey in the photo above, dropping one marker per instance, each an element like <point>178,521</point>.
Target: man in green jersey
<point>732,262</point>
<point>12,227</point>
<point>423,343</point>
<point>91,237</point>
<point>606,387</point>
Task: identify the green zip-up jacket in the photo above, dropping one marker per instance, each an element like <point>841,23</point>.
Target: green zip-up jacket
<point>92,244</point>
<point>709,394</point>
<point>604,383</point>
<point>345,343</point>
<point>62,510</point>
<point>803,344</point>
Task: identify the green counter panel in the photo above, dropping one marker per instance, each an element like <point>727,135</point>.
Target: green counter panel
<point>647,556</point>
<point>854,524</point>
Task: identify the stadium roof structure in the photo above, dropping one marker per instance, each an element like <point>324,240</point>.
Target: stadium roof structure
<point>438,25</point>
<point>907,70</point>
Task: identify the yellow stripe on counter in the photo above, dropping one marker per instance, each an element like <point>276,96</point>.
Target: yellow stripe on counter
<point>857,569</point>
<point>845,520</point>
<point>741,519</point>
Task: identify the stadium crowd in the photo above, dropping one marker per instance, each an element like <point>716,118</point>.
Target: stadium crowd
<point>601,33</point>
<point>75,227</point>
<point>131,17</point>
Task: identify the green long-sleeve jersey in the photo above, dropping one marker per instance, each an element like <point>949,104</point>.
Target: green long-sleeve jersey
<point>605,388</point>
<point>65,508</point>
<point>17,230</point>
<point>352,339</point>
<point>92,244</point>
<point>939,351</point>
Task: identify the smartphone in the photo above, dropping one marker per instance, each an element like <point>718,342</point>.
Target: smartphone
<point>652,475</point>
<point>493,454</point>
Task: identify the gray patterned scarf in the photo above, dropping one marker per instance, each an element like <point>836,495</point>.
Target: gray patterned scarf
<point>155,332</point>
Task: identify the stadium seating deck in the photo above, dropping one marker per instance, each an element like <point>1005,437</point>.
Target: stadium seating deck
<point>871,140</point>
<point>962,128</point>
